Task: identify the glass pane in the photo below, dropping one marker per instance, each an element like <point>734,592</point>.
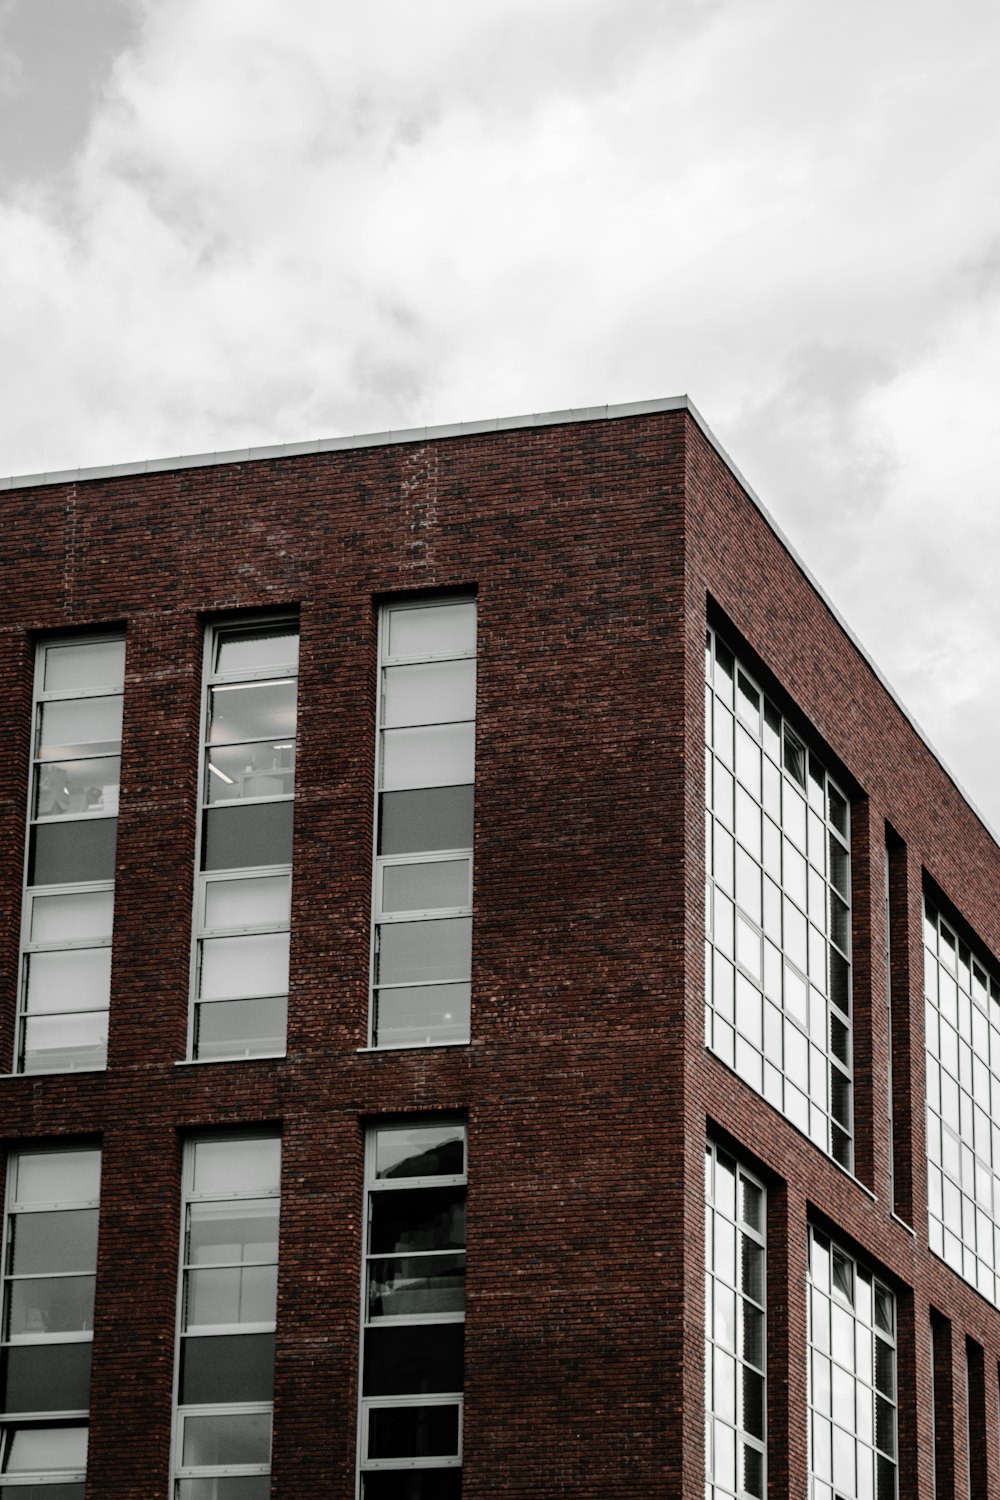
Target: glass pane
<point>431,1218</point>
<point>46,1377</point>
<point>252,711</point>
<point>87,664</point>
<point>260,770</point>
<point>82,914</point>
<point>257,649</point>
<point>227,1438</point>
<point>60,1241</point>
<point>408,1286</point>
<point>70,979</point>
<point>419,821</point>
<point>414,1359</point>
<point>443,755</point>
<point>63,854</point>
<point>244,1164</point>
<point>233,1294</point>
<point>420,1151</point>
<point>242,837</point>
<point>242,1028</point>
<point>61,1043</point>
<point>433,630</point>
<point>77,786</point>
<point>423,1015</point>
<point>57,1176</point>
<point>29,1491</point>
<point>418,952</point>
<point>50,1448</point>
<point>247,903</point>
<point>436,693</point>
<point>233,1233</point>
<point>427,886</point>
<point>233,1367</point>
<point>233,1487</point>
<point>232,967</point>
<point>417,1484</point>
<point>56,1304</point>
<point>80,726</point>
<point>412,1431</point>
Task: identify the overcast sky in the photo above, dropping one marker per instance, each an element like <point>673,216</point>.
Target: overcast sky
<point>233,222</point>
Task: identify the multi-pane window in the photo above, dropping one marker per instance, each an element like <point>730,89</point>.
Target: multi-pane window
<point>852,1377</point>
<point>735,1351</point>
<point>50,1260</point>
<point>72,825</point>
<point>228,1290</point>
<point>410,1429</point>
<point>422,920</point>
<point>243,890</point>
<point>963,1106</point>
<point>778,919</point>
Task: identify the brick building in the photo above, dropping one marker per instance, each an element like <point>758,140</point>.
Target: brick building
<point>305,1009</point>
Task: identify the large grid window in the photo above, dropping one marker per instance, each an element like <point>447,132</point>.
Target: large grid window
<point>422,917</point>
<point>410,1427</point>
<point>778,919</point>
<point>963,1106</point>
<point>852,1377</point>
<point>72,827</point>
<point>243,894</point>
<point>226,1317</point>
<point>50,1261</point>
<point>735,1342</point>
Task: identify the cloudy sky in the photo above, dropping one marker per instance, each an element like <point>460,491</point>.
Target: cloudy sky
<point>232,222</point>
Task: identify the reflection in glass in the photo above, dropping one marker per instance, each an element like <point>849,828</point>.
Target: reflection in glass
<point>228,1233</point>
<point>242,1028</point>
<point>53,1448</point>
<point>227,1438</point>
<point>432,630</point>
<point>419,1151</point>
<point>60,1043</point>
<point>422,1015</point>
<point>71,727</point>
<point>62,1240</point>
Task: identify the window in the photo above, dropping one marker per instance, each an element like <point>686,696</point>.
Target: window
<point>778,917</point>
<point>962,1030</point>
<point>243,890</point>
<point>50,1261</point>
<point>735,1352</point>
<point>410,1428</point>
<point>72,825</point>
<point>852,1377</point>
<point>422,920</point>
<point>226,1316</point>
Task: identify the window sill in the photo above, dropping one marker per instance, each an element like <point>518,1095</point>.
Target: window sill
<point>239,1057</point>
<point>58,1072</point>
<point>415,1047</point>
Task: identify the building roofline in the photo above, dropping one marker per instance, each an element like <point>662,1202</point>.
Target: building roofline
<point>488,425</point>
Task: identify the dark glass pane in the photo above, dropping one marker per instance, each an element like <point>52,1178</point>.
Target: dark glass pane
<point>418,1484</point>
<point>885,1426</point>
<point>238,838</point>
<point>885,1488</point>
<point>753,1335</point>
<point>417,1219</point>
<point>50,1304</point>
<point>63,1241</point>
<point>46,1377</point>
<point>752,1262</point>
<point>420,1151</point>
<point>425,952</point>
<point>242,1487</point>
<point>840,1098</point>
<point>885,1368</point>
<point>753,1470</point>
<point>839,987</point>
<point>405,1286</point>
<point>63,853</point>
<point>433,818</point>
<point>47,1492</point>
<point>232,1367</point>
<point>414,1359</point>
<point>413,1432</point>
<point>753,1403</point>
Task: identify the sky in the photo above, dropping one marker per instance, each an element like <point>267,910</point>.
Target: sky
<point>227,223</point>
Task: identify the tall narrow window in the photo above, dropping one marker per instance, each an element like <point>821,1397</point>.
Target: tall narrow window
<point>422,925</point>
<point>225,1359</point>
<point>72,824</point>
<point>410,1430</point>
<point>891,1143</point>
<point>243,895</point>
<point>852,1377</point>
<point>735,1355</point>
<point>50,1260</point>
<point>778,915</point>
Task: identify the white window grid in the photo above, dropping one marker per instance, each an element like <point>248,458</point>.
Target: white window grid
<point>381,863</point>
<point>370,1404</point>
<point>851,1377</point>
<point>28,1421</point>
<point>213,678</point>
<point>962,1038</point>
<point>777,909</point>
<point>735,1329</point>
<point>184,1412</point>
<point>41,696</point>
